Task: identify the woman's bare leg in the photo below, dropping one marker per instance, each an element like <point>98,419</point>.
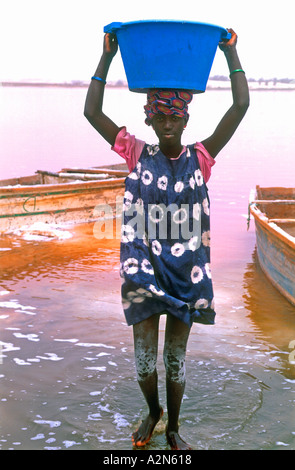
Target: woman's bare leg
<point>176,338</point>
<point>146,351</point>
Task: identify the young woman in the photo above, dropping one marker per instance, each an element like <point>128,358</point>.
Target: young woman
<point>166,267</point>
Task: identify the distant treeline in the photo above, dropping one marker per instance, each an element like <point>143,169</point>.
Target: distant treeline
<point>275,80</point>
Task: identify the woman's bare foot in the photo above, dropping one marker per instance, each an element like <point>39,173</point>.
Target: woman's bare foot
<point>175,441</point>
<point>144,433</point>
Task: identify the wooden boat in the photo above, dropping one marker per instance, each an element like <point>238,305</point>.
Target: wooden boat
<point>74,195</point>
<point>273,210</point>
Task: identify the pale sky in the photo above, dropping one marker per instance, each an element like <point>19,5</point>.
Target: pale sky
<point>62,39</point>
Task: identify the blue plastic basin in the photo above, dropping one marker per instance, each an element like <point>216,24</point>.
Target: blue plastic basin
<point>167,54</point>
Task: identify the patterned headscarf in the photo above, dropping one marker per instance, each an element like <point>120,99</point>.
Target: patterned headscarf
<point>167,102</point>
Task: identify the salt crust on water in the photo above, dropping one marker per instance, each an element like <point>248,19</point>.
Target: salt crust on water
<point>14,304</point>
<point>42,231</point>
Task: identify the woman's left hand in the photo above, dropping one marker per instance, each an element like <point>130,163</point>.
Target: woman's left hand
<point>225,44</point>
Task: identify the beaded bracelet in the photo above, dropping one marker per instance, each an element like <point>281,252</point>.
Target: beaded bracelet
<point>98,79</point>
<point>235,71</point>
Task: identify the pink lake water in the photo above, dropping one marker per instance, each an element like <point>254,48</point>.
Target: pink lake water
<point>67,376</point>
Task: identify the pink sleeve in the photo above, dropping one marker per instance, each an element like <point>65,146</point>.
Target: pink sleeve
<point>128,147</point>
<point>205,160</point>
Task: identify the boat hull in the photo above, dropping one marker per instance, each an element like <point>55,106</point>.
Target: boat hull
<point>277,260</point>
<point>275,247</point>
<point>59,203</point>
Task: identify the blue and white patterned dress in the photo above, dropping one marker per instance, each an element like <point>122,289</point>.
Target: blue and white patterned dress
<point>165,244</point>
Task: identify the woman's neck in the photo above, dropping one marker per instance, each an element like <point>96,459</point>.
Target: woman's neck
<point>171,151</point>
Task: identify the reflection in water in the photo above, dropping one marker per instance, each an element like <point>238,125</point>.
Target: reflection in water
<point>35,257</point>
<point>271,313</point>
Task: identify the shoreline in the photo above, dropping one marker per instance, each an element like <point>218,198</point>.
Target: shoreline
<point>213,85</point>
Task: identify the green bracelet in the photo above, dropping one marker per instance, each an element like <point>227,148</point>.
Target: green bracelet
<point>235,71</point>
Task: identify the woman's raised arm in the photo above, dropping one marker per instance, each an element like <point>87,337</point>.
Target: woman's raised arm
<point>240,92</point>
<point>94,100</point>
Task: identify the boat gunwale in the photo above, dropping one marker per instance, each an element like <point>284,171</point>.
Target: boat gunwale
<point>58,188</point>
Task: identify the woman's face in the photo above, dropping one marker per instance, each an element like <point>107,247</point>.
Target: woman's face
<point>168,128</point>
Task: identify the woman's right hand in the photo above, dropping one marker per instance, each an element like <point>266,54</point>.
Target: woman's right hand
<point>110,45</point>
